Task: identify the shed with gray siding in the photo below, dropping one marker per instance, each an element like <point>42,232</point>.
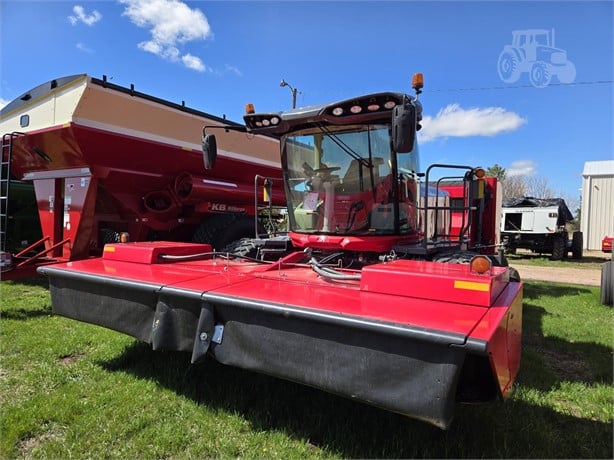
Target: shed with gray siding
<point>597,202</point>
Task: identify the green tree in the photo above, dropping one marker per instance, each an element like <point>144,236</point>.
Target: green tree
<point>496,171</point>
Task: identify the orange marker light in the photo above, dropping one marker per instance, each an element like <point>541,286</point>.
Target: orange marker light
<point>480,264</point>
<point>417,81</point>
<point>249,108</point>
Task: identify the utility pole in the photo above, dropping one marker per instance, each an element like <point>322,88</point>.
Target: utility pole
<point>294,91</point>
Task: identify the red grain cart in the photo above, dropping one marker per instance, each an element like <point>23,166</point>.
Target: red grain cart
<point>105,160</point>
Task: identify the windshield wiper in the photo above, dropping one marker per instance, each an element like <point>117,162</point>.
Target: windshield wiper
<point>346,148</point>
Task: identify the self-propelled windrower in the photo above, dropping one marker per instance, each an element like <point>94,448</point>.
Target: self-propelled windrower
<point>389,289</point>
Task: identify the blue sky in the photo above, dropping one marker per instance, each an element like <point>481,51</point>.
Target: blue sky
<point>216,56</point>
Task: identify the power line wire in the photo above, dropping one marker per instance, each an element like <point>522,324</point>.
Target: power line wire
<point>488,88</point>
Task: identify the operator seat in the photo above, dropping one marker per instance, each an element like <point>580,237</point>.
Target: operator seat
<point>351,179</point>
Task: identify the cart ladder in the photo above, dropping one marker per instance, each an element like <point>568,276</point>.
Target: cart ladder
<point>5,184</point>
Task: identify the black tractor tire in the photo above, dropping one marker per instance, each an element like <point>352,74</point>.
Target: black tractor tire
<point>559,247</point>
<point>607,283</point>
<point>220,230</point>
<point>577,242</point>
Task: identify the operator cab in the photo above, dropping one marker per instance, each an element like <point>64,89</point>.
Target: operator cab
<point>350,171</point>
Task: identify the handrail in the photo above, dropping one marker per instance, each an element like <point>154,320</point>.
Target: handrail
<point>436,207</point>
<point>32,246</point>
<point>42,253</point>
<point>269,206</point>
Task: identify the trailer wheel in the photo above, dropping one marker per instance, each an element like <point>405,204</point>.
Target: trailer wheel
<point>576,245</point>
<point>559,247</point>
<point>607,283</point>
<point>222,229</point>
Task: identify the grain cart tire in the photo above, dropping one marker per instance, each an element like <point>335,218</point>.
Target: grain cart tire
<point>245,247</point>
<point>108,235</point>
<point>222,229</point>
<point>576,245</point>
<point>559,247</point>
<point>607,284</point>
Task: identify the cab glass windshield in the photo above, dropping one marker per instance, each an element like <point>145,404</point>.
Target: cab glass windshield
<point>336,177</point>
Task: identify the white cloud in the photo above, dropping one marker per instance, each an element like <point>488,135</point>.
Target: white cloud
<point>82,47</point>
<point>171,23</point>
<point>234,69</point>
<point>455,121</point>
<point>521,168</point>
<point>81,16</point>
<point>151,47</point>
<point>193,62</point>
<point>3,102</point>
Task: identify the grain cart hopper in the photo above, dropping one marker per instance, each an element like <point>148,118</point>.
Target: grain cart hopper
<point>104,159</point>
<point>373,299</point>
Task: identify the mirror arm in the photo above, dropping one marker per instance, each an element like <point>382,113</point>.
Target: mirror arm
<point>241,129</point>
<point>210,144</point>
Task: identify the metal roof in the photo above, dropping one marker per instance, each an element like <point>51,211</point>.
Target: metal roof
<point>598,168</point>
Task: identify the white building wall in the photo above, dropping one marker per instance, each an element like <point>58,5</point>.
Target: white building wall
<point>597,202</point>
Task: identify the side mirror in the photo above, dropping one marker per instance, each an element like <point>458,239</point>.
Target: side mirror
<point>403,127</point>
<point>209,151</point>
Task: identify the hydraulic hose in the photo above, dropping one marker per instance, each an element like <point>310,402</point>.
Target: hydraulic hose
<point>326,272</point>
<point>228,255</point>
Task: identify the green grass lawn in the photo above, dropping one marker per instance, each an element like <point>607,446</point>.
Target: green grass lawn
<point>73,390</point>
<point>593,260</point>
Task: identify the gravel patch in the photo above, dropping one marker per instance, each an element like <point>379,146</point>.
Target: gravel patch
<point>586,277</point>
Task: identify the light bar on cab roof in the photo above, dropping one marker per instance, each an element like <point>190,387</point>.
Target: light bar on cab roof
<point>261,120</point>
<point>362,110</point>
<point>378,103</point>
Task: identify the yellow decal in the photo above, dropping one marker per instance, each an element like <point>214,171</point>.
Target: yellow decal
<point>109,248</point>
<point>472,286</point>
